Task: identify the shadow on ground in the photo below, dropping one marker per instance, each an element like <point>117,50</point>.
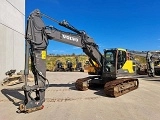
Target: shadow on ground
<point>61,85</point>
<point>11,94</point>
<point>99,89</point>
<point>14,93</point>
<point>70,86</point>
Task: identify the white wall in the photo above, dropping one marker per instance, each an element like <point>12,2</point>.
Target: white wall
<point>12,29</point>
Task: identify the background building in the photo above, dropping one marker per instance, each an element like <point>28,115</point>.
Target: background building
<point>12,29</point>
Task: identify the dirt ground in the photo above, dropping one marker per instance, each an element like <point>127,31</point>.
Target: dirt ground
<point>64,102</point>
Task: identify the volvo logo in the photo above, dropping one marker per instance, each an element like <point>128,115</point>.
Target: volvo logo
<point>70,38</point>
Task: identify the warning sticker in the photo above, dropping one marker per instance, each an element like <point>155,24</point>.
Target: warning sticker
<point>44,54</point>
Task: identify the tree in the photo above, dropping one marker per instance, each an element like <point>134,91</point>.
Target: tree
<point>73,54</point>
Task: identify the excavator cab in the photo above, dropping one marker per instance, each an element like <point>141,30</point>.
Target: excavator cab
<point>117,63</point>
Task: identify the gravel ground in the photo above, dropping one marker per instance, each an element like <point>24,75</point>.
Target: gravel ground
<point>63,102</point>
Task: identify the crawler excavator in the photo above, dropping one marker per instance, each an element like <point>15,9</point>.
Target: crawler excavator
<point>78,65</point>
<point>69,66</point>
<point>37,37</point>
<point>59,67</point>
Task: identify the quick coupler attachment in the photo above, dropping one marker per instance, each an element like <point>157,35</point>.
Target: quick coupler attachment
<point>31,103</point>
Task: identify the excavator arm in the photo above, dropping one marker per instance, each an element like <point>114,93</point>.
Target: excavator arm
<point>37,40</point>
<point>38,32</point>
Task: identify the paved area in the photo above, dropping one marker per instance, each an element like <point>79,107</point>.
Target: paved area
<point>63,102</point>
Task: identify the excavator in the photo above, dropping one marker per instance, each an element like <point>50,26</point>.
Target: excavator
<point>153,66</point>
<point>37,39</point>
<point>79,66</point>
<point>59,66</point>
<point>69,66</point>
<point>157,66</point>
<point>152,61</point>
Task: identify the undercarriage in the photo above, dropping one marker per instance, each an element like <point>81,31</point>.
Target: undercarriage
<point>112,88</point>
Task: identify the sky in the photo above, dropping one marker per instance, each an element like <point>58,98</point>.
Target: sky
<point>129,24</point>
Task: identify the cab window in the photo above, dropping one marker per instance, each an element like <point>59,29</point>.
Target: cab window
<point>121,58</point>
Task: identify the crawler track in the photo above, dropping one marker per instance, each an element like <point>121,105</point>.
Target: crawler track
<point>121,86</point>
<point>113,88</point>
<point>82,84</point>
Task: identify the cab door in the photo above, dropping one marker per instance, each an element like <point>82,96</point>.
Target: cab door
<point>121,58</point>
<point>110,64</point>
